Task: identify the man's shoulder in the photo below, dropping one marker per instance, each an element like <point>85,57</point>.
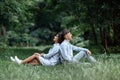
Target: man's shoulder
<point>64,43</point>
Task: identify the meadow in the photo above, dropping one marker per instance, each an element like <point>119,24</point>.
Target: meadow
<point>107,68</point>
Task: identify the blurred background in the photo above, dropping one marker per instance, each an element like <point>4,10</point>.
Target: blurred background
<point>95,24</point>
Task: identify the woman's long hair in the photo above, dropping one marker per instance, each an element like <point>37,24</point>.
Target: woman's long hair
<point>60,38</point>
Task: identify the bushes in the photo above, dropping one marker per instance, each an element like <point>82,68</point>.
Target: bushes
<point>24,39</point>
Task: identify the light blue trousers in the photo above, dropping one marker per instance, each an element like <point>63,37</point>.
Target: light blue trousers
<point>83,54</point>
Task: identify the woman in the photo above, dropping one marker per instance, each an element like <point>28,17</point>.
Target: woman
<point>67,50</point>
<point>50,59</point>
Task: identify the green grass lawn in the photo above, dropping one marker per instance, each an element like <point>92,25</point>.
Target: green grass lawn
<point>107,69</point>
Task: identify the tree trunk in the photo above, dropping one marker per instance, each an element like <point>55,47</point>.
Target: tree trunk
<point>103,35</point>
<point>3,32</point>
<point>94,34</point>
<point>105,39</point>
<point>116,30</point>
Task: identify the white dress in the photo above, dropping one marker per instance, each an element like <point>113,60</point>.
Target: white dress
<point>52,58</point>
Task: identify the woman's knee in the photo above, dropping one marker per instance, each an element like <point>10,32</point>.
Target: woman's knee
<point>36,53</point>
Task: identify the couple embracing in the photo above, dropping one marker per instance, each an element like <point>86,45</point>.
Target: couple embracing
<point>62,51</point>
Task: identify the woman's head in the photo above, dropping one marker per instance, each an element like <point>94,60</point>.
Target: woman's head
<point>66,35</point>
<point>58,38</point>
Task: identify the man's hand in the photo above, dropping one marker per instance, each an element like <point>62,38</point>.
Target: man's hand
<point>88,52</point>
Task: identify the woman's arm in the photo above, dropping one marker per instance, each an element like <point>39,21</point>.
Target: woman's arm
<point>52,52</point>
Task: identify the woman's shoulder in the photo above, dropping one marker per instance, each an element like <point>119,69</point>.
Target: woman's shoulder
<point>56,46</point>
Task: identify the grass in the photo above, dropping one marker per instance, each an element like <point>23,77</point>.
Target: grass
<point>107,69</point>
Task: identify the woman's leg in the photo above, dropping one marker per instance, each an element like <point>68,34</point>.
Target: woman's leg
<point>34,62</point>
<point>31,58</point>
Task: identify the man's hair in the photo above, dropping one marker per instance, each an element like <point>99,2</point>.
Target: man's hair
<point>64,32</point>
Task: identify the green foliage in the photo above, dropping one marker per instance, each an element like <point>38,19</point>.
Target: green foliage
<point>24,39</point>
<point>66,21</point>
<point>36,21</point>
<point>78,41</point>
<point>14,12</point>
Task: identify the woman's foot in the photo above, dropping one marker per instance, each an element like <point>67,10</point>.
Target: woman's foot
<point>18,60</point>
<point>12,59</point>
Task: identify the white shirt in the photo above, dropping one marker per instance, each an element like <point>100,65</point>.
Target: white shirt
<point>66,50</point>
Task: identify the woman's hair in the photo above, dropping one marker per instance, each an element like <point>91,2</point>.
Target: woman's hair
<point>60,39</point>
<point>61,35</point>
<point>64,32</point>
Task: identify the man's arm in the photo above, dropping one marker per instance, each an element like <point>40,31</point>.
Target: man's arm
<point>75,48</point>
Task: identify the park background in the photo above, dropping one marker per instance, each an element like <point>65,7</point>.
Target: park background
<point>28,26</point>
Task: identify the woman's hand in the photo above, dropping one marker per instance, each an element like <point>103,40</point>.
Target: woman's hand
<point>42,54</point>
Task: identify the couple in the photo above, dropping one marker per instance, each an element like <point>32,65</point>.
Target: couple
<point>62,51</point>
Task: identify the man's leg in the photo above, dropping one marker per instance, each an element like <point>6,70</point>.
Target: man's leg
<point>82,54</point>
<point>79,56</point>
<point>91,59</point>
